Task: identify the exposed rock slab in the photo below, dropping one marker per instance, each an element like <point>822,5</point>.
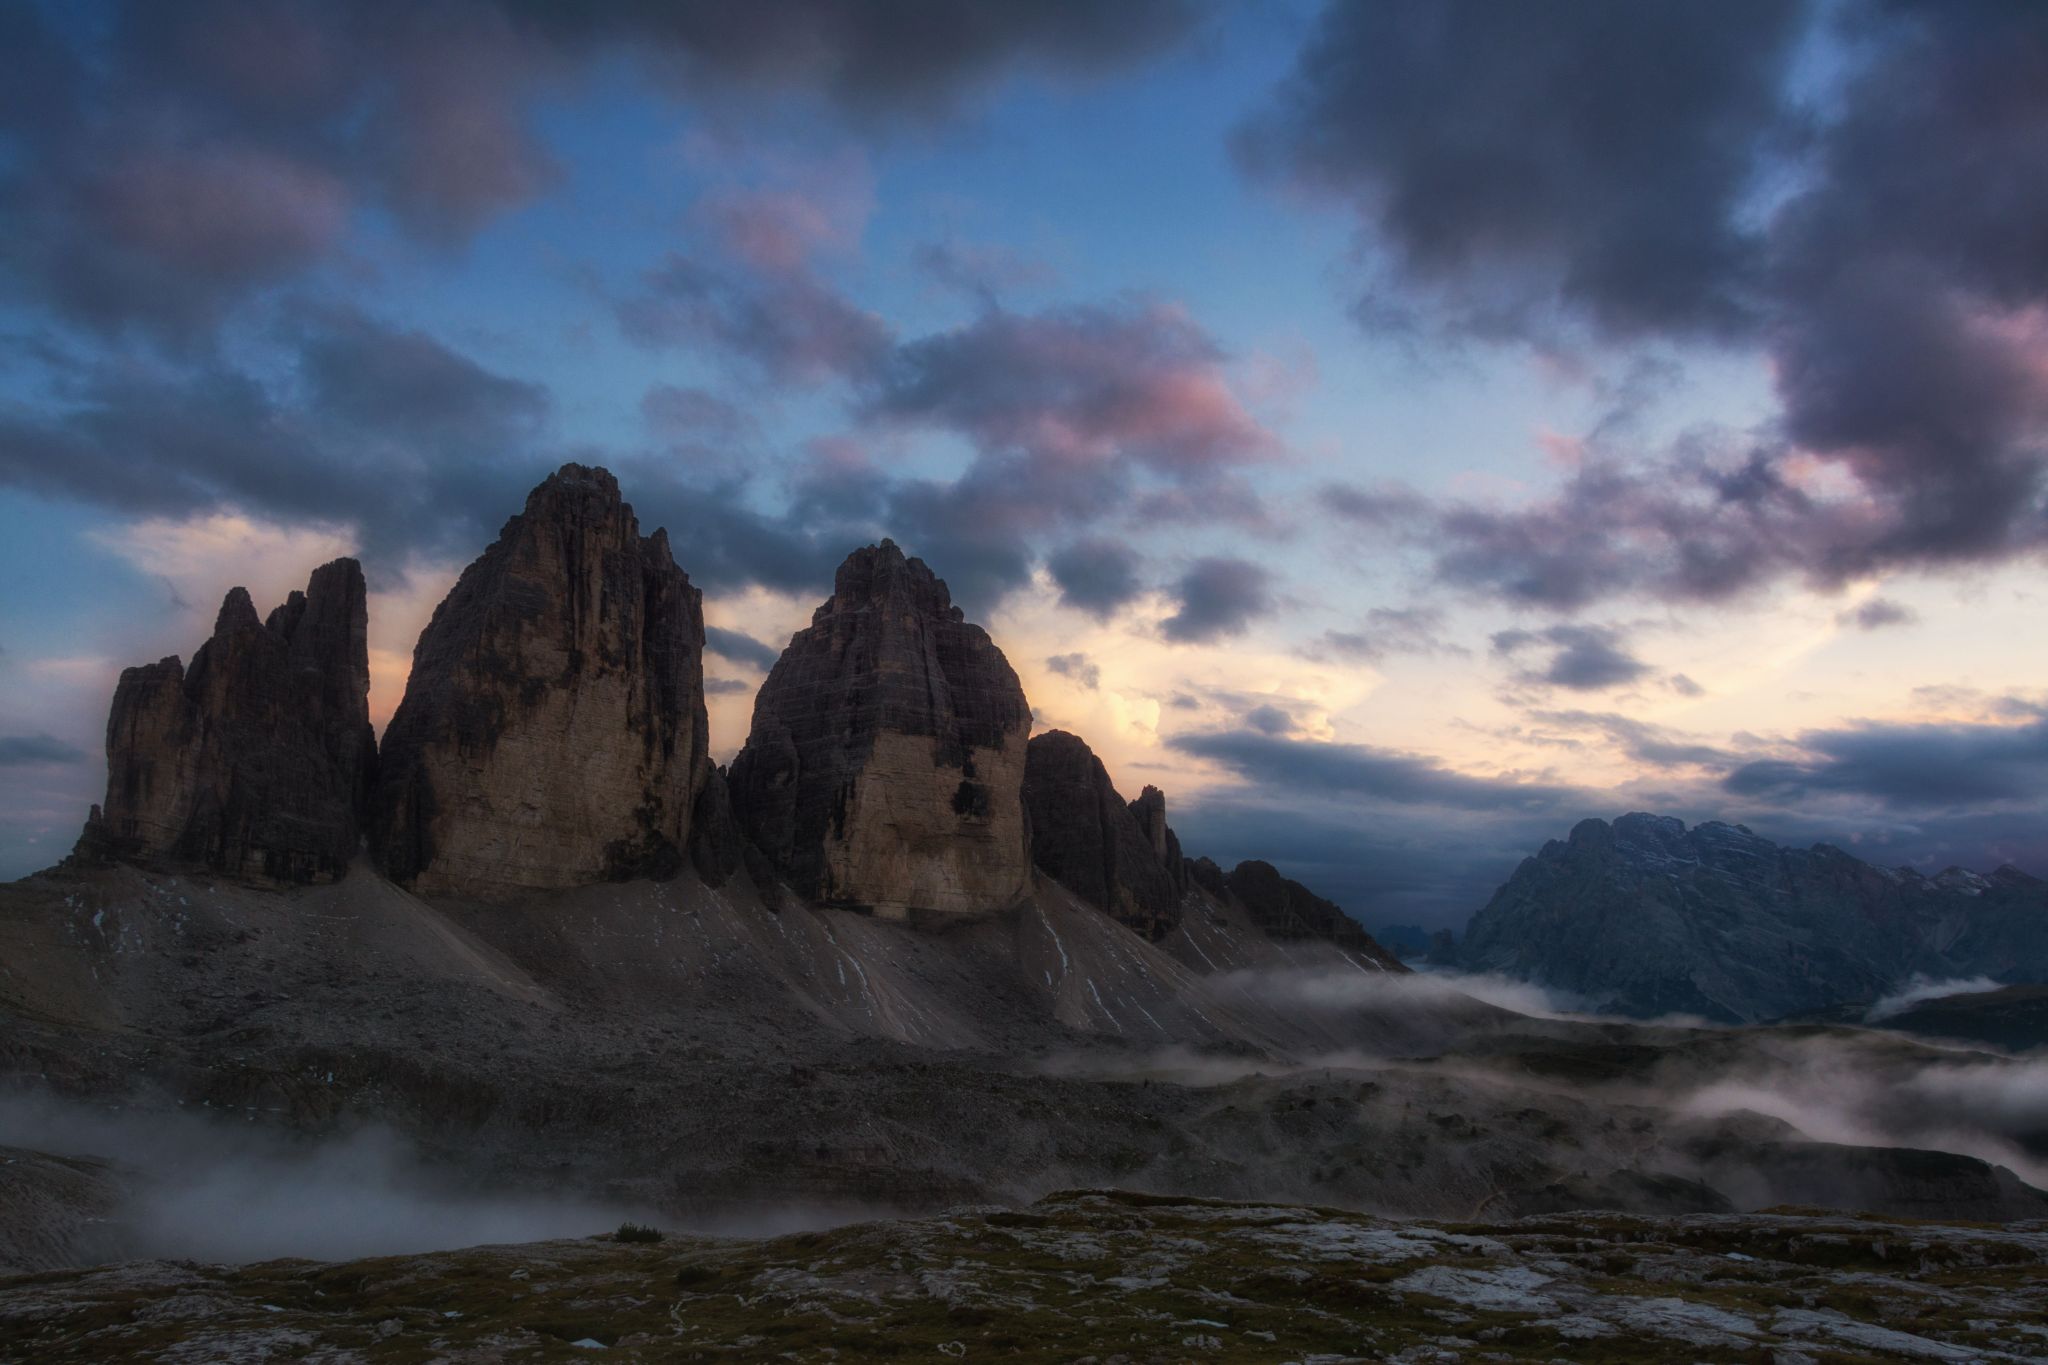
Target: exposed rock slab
<point>1192,1279</point>
<point>255,761</point>
<point>885,766</point>
<point>553,731</point>
<point>1109,853</point>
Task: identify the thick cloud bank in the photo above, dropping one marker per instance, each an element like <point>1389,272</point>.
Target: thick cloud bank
<point>1615,175</point>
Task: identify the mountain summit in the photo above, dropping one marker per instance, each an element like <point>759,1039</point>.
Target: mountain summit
<point>885,767</point>
<point>553,731</point>
<point>1647,917</point>
<point>256,760</point>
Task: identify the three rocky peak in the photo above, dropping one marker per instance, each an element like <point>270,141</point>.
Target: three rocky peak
<point>553,734</point>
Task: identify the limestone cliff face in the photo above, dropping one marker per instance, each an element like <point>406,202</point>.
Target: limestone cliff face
<point>1085,837</point>
<point>553,731</point>
<point>885,767</point>
<point>256,761</point>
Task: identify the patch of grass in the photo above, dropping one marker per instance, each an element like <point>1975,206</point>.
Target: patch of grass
<point>636,1232</point>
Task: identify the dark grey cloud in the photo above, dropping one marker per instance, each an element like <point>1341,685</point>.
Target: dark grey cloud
<point>982,271</point>
<point>1906,767</point>
<point>167,168</point>
<point>1392,835</point>
<point>1387,631</point>
<point>1395,835</point>
<point>385,427</point>
<point>1583,658</point>
<point>724,687</point>
<point>1139,382</point>
<point>724,542</point>
<point>1079,667</point>
<point>885,58</point>
<point>171,160</point>
<point>977,528</point>
<point>786,324</point>
<point>1074,414</point>
<point>407,387</point>
<point>1704,522</point>
<point>740,648</point>
<point>1354,770</point>
<point>1096,576</point>
<point>1269,720</point>
<point>1218,596</point>
<point>1878,613</point>
<point>694,417</point>
<point>1623,175</point>
<point>421,448</point>
<point>1647,743</point>
<point>1518,161</point>
<point>1383,508</point>
<point>425,448</point>
<point>20,751</point>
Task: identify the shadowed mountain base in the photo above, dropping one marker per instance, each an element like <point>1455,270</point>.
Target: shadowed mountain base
<point>687,1051</point>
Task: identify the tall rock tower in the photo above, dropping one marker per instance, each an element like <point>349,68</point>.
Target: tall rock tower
<point>553,730</point>
<point>885,768</point>
<point>1084,836</point>
<point>255,761</point>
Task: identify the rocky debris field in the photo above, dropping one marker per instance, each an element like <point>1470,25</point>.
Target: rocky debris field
<point>679,1051</point>
<point>1107,1277</point>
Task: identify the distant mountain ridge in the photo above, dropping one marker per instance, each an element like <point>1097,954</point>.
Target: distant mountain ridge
<point>1646,917</point>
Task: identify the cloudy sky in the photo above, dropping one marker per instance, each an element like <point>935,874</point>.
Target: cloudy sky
<point>1399,430</point>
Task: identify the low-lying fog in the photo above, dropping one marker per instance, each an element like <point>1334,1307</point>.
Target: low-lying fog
<point>1846,1086</point>
<point>204,1187</point>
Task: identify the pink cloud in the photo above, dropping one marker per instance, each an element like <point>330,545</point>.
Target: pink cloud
<point>1084,385</point>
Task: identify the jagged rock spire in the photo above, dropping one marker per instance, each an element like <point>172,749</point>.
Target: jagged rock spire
<point>1112,855</point>
<point>257,760</point>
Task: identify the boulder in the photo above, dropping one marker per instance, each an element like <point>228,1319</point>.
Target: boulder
<point>256,761</point>
<point>885,766</point>
<point>1084,836</point>
<point>553,731</point>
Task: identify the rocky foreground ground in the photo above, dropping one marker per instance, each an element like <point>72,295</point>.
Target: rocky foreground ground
<point>1104,1277</point>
